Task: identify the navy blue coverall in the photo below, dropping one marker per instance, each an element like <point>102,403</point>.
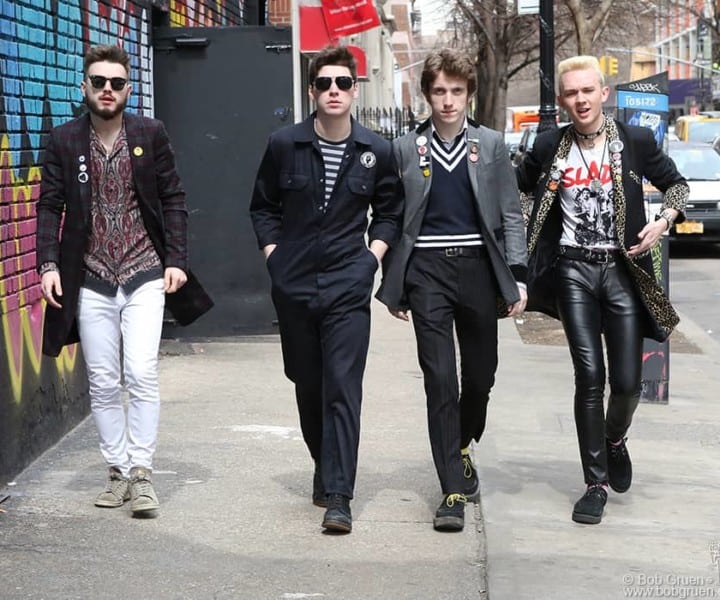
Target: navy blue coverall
<point>322,275</point>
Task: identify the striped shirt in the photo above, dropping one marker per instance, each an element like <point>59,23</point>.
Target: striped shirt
<point>332,153</point>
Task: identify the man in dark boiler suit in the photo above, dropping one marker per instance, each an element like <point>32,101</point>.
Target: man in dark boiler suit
<point>309,209</point>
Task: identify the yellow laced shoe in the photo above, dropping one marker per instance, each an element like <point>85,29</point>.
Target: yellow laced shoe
<point>450,515</point>
<point>470,476</point>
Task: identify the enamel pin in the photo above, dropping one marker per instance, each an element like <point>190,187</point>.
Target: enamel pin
<point>368,160</point>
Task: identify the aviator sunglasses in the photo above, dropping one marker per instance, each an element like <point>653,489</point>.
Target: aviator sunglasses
<point>344,83</point>
<point>116,83</point>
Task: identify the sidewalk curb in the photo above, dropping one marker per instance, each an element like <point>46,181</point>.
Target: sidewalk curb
<point>701,338</point>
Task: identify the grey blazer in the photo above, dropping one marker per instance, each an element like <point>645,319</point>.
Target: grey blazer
<point>498,206</point>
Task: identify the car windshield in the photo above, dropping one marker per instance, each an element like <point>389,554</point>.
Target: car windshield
<point>696,162</point>
<point>703,131</point>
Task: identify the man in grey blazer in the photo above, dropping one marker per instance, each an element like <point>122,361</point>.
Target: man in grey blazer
<point>461,262</point>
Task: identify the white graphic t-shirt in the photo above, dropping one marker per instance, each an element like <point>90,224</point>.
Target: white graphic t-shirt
<point>586,197</point>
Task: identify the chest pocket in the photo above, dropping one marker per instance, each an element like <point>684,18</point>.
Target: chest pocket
<point>361,186</point>
<point>292,181</point>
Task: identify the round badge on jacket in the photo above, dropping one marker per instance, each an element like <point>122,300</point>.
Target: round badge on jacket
<point>368,160</point>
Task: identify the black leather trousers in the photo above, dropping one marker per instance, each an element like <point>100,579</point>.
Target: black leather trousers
<point>596,300</point>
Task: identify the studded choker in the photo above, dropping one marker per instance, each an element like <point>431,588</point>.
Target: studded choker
<point>590,136</point>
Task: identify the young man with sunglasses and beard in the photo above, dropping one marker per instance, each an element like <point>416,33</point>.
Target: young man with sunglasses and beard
<point>112,252</point>
<point>314,187</point>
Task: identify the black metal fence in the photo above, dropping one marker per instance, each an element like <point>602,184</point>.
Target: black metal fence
<point>387,122</point>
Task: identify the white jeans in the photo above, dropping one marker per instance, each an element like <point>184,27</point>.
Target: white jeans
<point>136,321</point>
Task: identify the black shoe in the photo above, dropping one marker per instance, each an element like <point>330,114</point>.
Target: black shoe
<point>589,509</point>
<point>619,466</point>
<point>450,515</point>
<point>319,498</point>
<point>337,516</point>
<point>471,479</point>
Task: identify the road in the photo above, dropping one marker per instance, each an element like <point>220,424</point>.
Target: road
<point>695,284</point>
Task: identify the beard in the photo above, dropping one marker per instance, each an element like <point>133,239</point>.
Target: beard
<point>104,112</point>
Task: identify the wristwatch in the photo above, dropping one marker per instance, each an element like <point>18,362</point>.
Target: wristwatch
<point>667,215</point>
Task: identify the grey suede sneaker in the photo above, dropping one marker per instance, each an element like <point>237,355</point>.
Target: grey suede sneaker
<point>116,490</point>
<point>142,493</point>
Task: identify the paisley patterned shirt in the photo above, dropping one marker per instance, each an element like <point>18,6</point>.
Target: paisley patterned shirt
<point>120,252</point>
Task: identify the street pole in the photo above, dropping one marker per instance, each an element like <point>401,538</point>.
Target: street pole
<point>547,67</point>
<point>296,74</point>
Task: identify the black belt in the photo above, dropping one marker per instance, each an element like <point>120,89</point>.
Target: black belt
<point>597,256</point>
<point>458,251</point>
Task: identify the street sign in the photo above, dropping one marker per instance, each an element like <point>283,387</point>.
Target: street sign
<point>528,7</point>
<point>644,102</point>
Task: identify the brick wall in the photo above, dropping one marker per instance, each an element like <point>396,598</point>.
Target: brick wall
<point>279,12</point>
<point>41,53</point>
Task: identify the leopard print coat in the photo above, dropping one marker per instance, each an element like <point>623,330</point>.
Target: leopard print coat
<point>640,157</point>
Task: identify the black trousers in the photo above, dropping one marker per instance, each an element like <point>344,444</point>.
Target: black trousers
<point>446,293</point>
<point>596,300</point>
<point>324,353</point>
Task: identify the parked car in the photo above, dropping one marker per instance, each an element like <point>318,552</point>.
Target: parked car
<point>697,128</point>
<point>700,165</point>
<point>525,143</point>
<point>512,141</point>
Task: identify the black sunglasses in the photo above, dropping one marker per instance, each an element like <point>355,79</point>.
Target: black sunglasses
<point>116,83</point>
<point>344,83</point>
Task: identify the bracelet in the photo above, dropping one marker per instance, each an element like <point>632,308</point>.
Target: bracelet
<point>667,215</point>
<point>47,267</point>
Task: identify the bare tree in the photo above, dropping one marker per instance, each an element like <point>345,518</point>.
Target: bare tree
<point>588,28</point>
<point>506,45</point>
<point>503,43</point>
<point>494,28</point>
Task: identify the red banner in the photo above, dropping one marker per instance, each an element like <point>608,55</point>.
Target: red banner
<point>345,17</point>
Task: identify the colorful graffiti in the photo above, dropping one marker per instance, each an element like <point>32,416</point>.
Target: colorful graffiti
<point>190,13</point>
<point>41,64</point>
<point>40,72</point>
<point>42,67</point>
<point>21,307</point>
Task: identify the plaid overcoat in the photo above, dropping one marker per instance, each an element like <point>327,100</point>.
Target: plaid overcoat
<point>65,190</point>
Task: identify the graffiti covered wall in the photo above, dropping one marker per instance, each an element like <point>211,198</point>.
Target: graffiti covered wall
<point>42,43</point>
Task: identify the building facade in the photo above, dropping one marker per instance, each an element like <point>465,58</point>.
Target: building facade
<point>686,42</point>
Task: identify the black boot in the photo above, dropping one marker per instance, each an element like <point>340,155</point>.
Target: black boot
<point>619,466</point>
<point>589,509</point>
<point>319,498</point>
<point>472,481</point>
<point>337,516</point>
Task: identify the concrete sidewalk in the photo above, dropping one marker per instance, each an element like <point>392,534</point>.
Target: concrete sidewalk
<point>234,480</point>
<point>656,540</point>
